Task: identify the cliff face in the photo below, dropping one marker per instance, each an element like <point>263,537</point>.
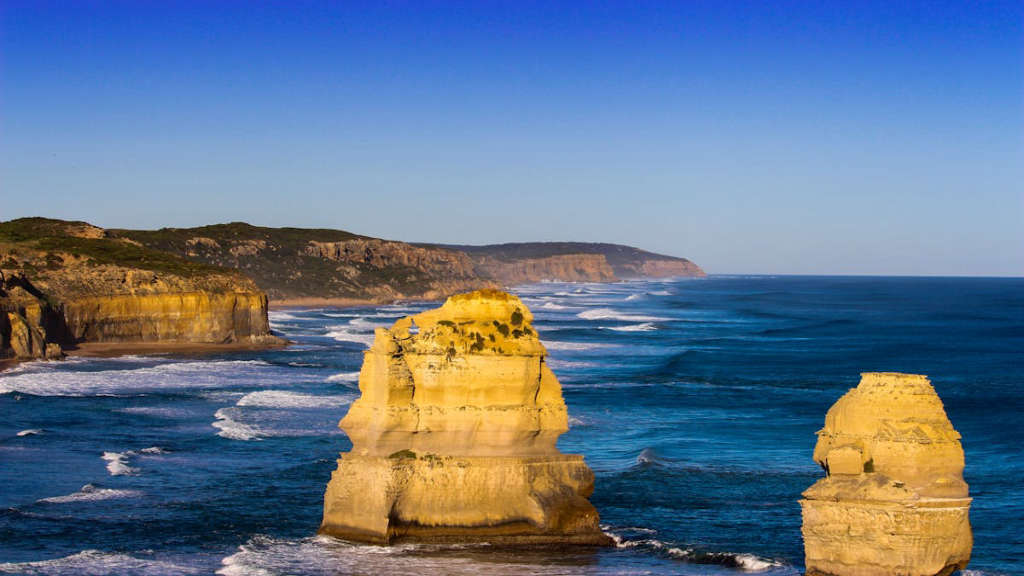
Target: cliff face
<point>382,254</point>
<point>562,267</point>
<point>294,263</point>
<point>587,262</point>
<point>453,436</point>
<point>201,317</point>
<point>298,263</point>
<point>662,268</point>
<point>894,500</point>
<point>64,283</point>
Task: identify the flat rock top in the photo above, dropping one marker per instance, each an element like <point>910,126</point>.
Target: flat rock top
<point>487,322</point>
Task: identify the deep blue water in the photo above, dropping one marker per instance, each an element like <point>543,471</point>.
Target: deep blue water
<point>695,402</point>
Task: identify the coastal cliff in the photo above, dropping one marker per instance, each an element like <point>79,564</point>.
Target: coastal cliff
<point>894,500</point>
<point>589,262</point>
<point>562,267</point>
<point>65,284</point>
<point>323,266</point>
<point>454,435</point>
<point>310,264</point>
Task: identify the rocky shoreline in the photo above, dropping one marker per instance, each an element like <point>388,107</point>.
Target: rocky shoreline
<point>66,284</point>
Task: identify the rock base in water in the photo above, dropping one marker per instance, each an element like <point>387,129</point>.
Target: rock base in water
<point>894,500</point>
<point>454,436</point>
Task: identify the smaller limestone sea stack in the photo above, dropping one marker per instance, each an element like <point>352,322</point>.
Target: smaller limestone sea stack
<point>894,501</point>
<point>453,437</point>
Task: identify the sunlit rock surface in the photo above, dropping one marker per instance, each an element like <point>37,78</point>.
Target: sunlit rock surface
<point>894,501</point>
<point>454,435</point>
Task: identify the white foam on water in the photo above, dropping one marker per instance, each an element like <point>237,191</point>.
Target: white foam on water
<point>744,561</point>
<point>279,316</point>
<point>153,450</point>
<point>232,429</point>
<point>611,314</point>
<point>139,374</point>
<point>645,327</point>
<point>90,493</point>
<point>553,306</point>
<point>362,323</point>
<point>31,432</point>
<point>632,297</point>
<point>323,556</point>
<point>98,563</point>
<point>117,463</point>
<point>580,421</point>
<point>751,563</point>
<point>286,399</point>
<point>577,346</point>
<point>162,412</point>
<point>345,333</point>
<point>222,396</point>
<point>344,377</point>
<point>568,364</point>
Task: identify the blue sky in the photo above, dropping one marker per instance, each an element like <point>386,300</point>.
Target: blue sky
<point>765,137</point>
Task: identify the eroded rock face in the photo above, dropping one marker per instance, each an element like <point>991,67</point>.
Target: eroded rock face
<point>453,437</point>
<point>201,317</point>
<point>894,500</point>
<point>563,267</point>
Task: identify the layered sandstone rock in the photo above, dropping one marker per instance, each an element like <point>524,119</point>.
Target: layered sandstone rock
<point>894,500</point>
<point>453,437</point>
<point>63,284</point>
<point>662,268</point>
<point>561,267</point>
<point>198,317</point>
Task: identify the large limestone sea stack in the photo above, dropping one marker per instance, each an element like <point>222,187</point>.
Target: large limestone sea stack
<point>453,437</point>
<point>894,501</point>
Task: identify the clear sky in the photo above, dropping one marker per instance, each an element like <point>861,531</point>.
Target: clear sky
<point>762,137</point>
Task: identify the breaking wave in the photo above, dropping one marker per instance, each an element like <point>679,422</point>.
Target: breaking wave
<point>117,463</point>
<point>344,377</point>
<point>278,316</point>
<point>321,555</point>
<point>97,563</point>
<point>346,333</point>
<point>610,314</point>
<point>645,327</point>
<point>31,432</point>
<point>234,430</point>
<point>57,379</point>
<point>285,399</point>
<point>744,561</point>
<point>555,345</point>
<point>90,493</point>
<point>158,411</point>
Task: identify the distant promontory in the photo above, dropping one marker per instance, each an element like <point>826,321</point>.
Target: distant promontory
<point>64,284</point>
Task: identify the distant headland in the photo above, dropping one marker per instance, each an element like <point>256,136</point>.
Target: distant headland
<point>71,285</point>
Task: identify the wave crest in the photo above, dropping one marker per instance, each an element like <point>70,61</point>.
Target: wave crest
<point>286,399</point>
<point>232,429</point>
<point>612,314</point>
<point>91,493</point>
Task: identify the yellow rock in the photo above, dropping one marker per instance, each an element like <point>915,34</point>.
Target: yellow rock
<point>27,339</point>
<point>453,436</point>
<point>894,501</point>
<point>195,316</point>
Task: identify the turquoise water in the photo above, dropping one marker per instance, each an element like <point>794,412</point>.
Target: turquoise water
<point>695,402</point>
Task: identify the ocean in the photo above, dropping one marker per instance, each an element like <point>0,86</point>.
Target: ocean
<point>695,402</point>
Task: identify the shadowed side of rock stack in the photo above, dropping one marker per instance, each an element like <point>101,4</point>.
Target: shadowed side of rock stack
<point>454,436</point>
<point>894,500</point>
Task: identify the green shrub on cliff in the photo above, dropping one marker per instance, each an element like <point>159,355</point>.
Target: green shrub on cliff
<point>57,236</point>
